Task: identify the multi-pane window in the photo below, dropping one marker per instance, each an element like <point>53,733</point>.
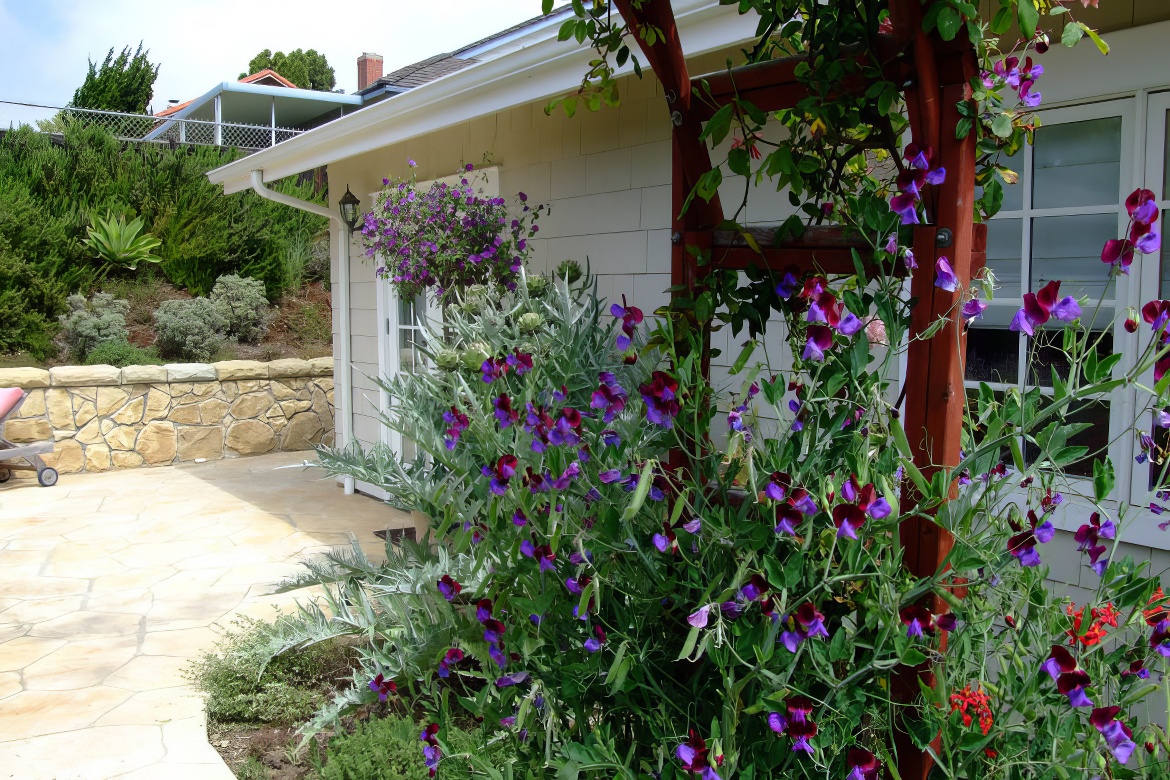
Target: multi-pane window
<point>408,336</point>
<point>1066,204</point>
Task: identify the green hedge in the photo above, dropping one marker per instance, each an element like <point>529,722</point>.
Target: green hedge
<point>50,187</point>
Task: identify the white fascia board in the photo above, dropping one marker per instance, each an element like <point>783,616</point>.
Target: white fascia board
<point>542,70</point>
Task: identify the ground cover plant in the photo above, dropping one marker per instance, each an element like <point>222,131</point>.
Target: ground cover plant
<point>634,573</point>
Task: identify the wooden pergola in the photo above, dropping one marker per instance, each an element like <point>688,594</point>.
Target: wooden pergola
<point>935,73</point>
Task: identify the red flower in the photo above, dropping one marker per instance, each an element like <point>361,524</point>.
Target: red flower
<point>973,704</point>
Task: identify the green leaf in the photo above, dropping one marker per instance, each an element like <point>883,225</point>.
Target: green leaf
<point>739,161</point>
<point>1002,125</point>
<point>1089,31</point>
<point>913,657</point>
<point>546,6</point>
<point>1029,17</point>
<point>709,182</point>
<point>689,645</point>
<point>949,22</point>
<point>718,126</point>
<point>567,29</point>
<point>1103,478</point>
<point>743,358</point>
<point>1002,21</point>
<point>1072,35</point>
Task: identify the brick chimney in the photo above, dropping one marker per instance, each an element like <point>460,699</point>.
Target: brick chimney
<point>369,69</point>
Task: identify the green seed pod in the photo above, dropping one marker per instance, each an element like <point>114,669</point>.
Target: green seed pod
<point>475,355</point>
<point>448,360</point>
<point>569,270</point>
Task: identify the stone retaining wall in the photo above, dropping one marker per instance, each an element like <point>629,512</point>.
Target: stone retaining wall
<point>102,417</point>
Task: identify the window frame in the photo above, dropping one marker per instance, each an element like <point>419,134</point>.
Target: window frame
<point>1135,138</point>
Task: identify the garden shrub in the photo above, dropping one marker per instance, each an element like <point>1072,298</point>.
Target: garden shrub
<point>93,322</point>
<point>121,354</point>
<point>244,684</point>
<point>189,330</point>
<point>387,748</point>
<point>242,305</point>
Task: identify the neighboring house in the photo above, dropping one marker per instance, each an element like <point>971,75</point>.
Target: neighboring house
<point>607,178</point>
<point>259,110</point>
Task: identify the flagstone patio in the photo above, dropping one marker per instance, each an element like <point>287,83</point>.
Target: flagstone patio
<point>110,583</point>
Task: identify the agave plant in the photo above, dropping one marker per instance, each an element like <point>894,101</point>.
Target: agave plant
<point>120,244</point>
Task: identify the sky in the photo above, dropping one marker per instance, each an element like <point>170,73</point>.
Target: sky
<point>45,44</point>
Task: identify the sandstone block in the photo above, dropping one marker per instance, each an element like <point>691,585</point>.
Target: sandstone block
<point>131,413</point>
<point>156,443</point>
<point>212,411</point>
<point>67,457</point>
<point>25,378</point>
<point>88,393</point>
<point>322,366</point>
<point>97,458</point>
<point>34,404</point>
<point>240,369</point>
<point>158,403</point>
<point>250,405</point>
<point>177,389</point>
<point>28,430</point>
<point>188,414</point>
<point>291,408</point>
<point>250,437</point>
<point>126,460</point>
<point>190,372</point>
<point>91,433</point>
<point>83,410</point>
<point>145,374</point>
<point>59,435</point>
<point>290,367</point>
<point>251,385</point>
<point>281,391</point>
<point>81,376</point>
<point>325,383</point>
<point>198,442</point>
<point>303,431</point>
<point>60,408</point>
<point>122,438</point>
<point>110,398</point>
<point>106,425</point>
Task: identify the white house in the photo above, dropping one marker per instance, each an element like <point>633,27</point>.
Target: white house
<point>607,178</point>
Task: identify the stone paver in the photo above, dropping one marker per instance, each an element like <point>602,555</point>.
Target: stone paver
<point>110,583</point>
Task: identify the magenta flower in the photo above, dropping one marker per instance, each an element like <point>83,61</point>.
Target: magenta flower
<point>1118,736</point>
<point>594,643</point>
<point>383,687</point>
<point>944,275</point>
<point>800,725</point>
<point>1040,306</point>
<point>609,396</point>
<point>503,471</point>
<point>804,624</point>
<point>457,423</point>
<point>692,754</point>
<point>452,657</point>
<point>820,338</point>
<point>493,369</point>
<point>505,414</point>
<point>920,171</point>
<point>509,680</point>
<point>973,309</point>
<point>631,317</point>
<point>863,765</point>
<point>431,752</point>
<point>699,617</point>
<point>659,395</point>
<point>917,619</point>
<point>449,587</point>
<point>521,362</point>
<point>1023,544</point>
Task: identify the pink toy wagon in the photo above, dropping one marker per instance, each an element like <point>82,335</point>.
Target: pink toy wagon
<point>11,399</point>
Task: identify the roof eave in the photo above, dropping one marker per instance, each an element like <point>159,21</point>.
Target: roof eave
<point>542,69</point>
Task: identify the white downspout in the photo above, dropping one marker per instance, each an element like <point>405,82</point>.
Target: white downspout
<point>342,398</point>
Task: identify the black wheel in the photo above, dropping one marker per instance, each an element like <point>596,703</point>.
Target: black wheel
<point>5,475</point>
<point>47,477</point>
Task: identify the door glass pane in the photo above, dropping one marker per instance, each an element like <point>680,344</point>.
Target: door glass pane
<point>1164,261</point>
<point>1166,161</point>
<point>993,354</point>
<point>1077,164</point>
<point>1069,249</point>
<point>1046,353</point>
<point>1095,437</point>
<point>1004,245</point>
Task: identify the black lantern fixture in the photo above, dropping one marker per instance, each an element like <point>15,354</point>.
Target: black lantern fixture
<point>349,209</point>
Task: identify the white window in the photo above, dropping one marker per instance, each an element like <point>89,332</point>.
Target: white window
<point>1067,203</point>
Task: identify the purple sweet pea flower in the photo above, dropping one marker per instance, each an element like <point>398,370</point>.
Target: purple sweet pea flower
<point>699,617</point>
<point>944,275</point>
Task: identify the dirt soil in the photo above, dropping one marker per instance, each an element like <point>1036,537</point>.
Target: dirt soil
<point>275,748</point>
<point>301,327</point>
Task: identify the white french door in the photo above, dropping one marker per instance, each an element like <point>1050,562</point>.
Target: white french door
<point>402,330</point>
